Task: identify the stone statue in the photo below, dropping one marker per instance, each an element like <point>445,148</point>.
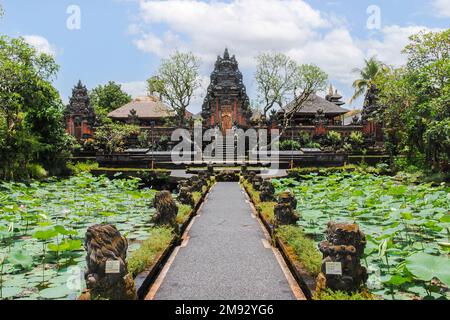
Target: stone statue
<point>185,194</point>
<point>344,247</point>
<point>210,170</point>
<point>267,191</point>
<point>285,209</point>
<point>257,182</point>
<point>196,184</point>
<point>166,210</point>
<point>107,274</point>
<point>251,176</point>
<point>227,176</point>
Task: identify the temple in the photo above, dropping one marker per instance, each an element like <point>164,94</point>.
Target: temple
<point>226,103</point>
<point>79,114</point>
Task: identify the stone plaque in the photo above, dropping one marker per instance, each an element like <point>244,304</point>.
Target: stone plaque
<point>112,266</point>
<point>334,268</point>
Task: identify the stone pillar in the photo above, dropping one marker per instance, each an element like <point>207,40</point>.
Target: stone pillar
<point>342,252</point>
<point>285,213</point>
<point>107,274</point>
<point>267,191</point>
<point>166,210</point>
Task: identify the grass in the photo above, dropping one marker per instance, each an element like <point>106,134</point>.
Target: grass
<point>267,209</point>
<point>80,167</point>
<point>252,192</point>
<point>196,196</point>
<point>160,238</point>
<point>304,249</point>
<point>184,211</point>
<point>328,294</point>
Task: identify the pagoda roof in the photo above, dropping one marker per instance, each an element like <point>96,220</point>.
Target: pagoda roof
<point>146,108</point>
<point>315,103</point>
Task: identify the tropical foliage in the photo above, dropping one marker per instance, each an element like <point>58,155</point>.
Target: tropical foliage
<point>107,98</point>
<point>112,137</point>
<point>372,68</point>
<point>31,111</point>
<point>416,100</point>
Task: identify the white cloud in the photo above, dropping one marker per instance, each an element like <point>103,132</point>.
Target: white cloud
<point>41,44</point>
<point>135,88</point>
<point>394,40</point>
<point>441,7</point>
<point>249,27</point>
<point>246,26</point>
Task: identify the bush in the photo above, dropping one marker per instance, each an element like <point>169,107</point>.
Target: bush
<point>304,249</point>
<point>80,167</point>
<point>36,171</point>
<point>313,145</point>
<point>356,139</point>
<point>288,145</point>
<point>334,138</point>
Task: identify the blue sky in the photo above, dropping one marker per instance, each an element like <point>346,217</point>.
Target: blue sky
<point>124,40</point>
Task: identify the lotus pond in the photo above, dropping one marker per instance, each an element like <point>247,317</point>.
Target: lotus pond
<point>42,225</point>
<point>406,226</point>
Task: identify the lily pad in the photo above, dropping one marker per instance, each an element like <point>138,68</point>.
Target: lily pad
<point>426,267</point>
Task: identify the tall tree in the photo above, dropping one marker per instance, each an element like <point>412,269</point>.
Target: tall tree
<point>275,79</point>
<point>31,110</point>
<point>416,99</point>
<point>307,80</point>
<point>372,68</point>
<point>176,81</point>
<point>107,98</point>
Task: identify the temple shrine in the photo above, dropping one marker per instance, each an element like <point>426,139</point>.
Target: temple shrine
<point>79,114</point>
<point>226,104</point>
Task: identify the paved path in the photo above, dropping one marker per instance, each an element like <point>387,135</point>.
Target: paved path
<point>225,257</point>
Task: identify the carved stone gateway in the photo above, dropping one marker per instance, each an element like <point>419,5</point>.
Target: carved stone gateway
<point>107,274</point>
<point>342,252</point>
<point>226,103</point>
<point>267,191</point>
<point>166,210</point>
<point>79,114</point>
<point>285,213</point>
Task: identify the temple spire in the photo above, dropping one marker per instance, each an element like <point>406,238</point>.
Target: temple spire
<point>226,54</point>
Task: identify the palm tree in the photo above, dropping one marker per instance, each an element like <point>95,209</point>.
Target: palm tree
<point>371,70</point>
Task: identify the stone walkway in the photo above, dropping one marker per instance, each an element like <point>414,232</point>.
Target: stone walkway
<point>227,256</point>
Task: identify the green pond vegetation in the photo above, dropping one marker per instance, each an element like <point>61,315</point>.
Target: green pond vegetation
<point>407,227</point>
<point>42,226</point>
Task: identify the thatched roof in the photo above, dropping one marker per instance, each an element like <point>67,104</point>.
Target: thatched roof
<point>145,107</point>
<point>313,104</point>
